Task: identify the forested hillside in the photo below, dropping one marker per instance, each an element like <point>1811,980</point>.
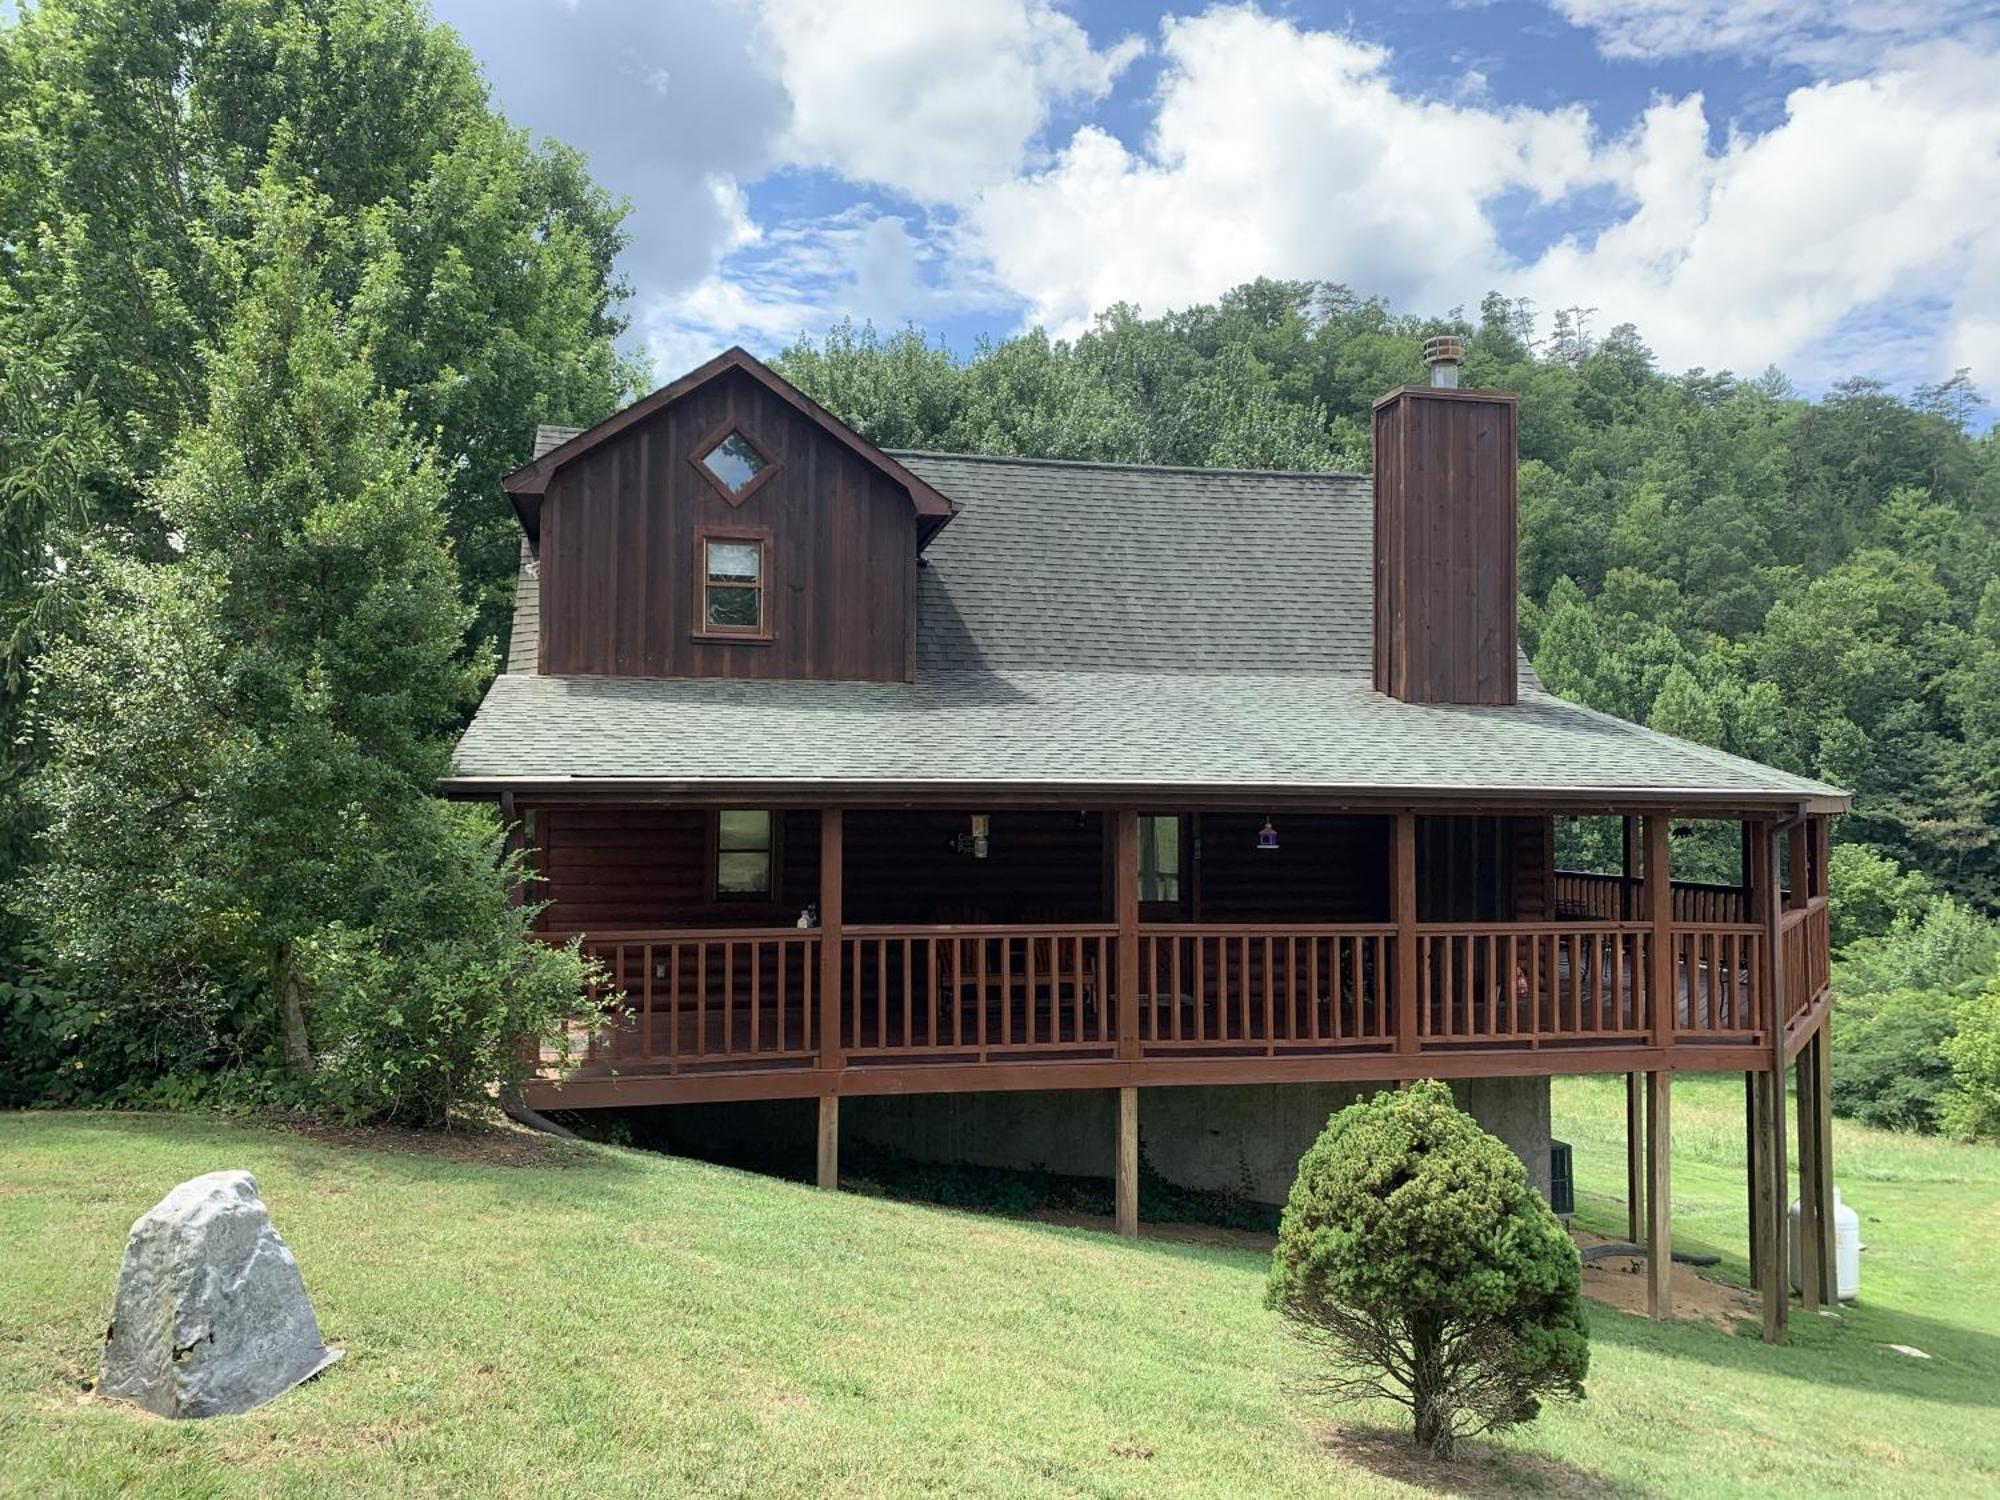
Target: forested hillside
<point>1812,583</point>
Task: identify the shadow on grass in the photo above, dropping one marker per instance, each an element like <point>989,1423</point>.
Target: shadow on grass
<point>505,1163</point>
<point>1482,1469</point>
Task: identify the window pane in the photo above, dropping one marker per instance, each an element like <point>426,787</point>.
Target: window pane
<point>1159,859</point>
<point>734,462</point>
<point>743,830</point>
<point>735,562</point>
<point>747,874</point>
<point>732,607</point>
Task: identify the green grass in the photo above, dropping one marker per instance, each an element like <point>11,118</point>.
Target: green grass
<point>605,1322</point>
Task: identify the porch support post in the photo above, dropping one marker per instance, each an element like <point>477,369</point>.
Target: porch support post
<point>1128,1163</point>
<point>1403,867</point>
<point>1751,1161</point>
<point>832,857</point>
<point>1659,1194</point>
<point>1660,979</point>
<point>1125,883</point>
<point>1629,828</point>
<point>1810,1265</point>
<point>1635,1160</point>
<point>1829,1276</point>
<point>829,1142</point>
<point>1774,1172</point>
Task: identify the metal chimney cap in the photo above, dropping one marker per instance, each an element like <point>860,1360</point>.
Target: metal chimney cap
<point>1444,354</point>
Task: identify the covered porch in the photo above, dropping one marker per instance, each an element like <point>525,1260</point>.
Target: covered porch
<point>953,950</point>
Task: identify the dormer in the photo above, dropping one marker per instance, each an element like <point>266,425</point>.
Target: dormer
<point>726,526</point>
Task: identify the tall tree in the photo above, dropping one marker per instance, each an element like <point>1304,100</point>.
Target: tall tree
<point>245,739</point>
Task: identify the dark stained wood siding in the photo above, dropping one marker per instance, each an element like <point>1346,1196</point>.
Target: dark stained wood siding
<point>618,556</point>
<point>1444,564</point>
<point>1325,869</point>
<point>638,868</point>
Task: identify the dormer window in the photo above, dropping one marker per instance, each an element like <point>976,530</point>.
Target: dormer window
<point>732,584</point>
<point>733,463</point>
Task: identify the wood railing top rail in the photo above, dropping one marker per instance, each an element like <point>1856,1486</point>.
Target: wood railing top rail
<point>1269,929</point>
<point>978,929</point>
<point>610,936</point>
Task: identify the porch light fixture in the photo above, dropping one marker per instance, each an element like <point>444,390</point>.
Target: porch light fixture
<point>1267,836</point>
<point>977,842</point>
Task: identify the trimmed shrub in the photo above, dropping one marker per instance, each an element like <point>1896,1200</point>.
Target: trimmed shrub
<point>1414,1254</point>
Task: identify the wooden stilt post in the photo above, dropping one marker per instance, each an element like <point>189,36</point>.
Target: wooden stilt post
<point>1752,1155</point>
<point>1776,1284</point>
<point>1829,1272</point>
<point>1128,1163</point>
<point>1811,1294</point>
<point>1659,1194</point>
<point>1635,1160</point>
<point>829,1142</point>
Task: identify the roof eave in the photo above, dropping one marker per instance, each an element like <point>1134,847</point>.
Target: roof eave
<point>812,792</point>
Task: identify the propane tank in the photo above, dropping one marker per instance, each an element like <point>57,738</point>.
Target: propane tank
<point>1846,1250</point>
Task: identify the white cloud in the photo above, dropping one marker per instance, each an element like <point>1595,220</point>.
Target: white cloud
<point>1872,188</point>
<point>935,98</point>
<point>1820,33</point>
<point>799,278</point>
<point>1277,150</point>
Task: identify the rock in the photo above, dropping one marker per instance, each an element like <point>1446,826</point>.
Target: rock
<point>1906,1351</point>
<point>211,1316</point>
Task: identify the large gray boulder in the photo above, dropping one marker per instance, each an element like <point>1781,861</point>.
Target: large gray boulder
<point>212,1316</point>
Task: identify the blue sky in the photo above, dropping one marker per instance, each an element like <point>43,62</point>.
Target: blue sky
<point>1814,183</point>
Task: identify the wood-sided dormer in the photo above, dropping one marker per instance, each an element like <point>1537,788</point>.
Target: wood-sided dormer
<point>726,526</point>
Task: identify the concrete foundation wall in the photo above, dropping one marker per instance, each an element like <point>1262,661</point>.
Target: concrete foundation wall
<point>1243,1139</point>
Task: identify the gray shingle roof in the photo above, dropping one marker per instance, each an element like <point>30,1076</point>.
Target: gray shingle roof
<point>1007,727</point>
<point>549,436</point>
<point>1092,625</point>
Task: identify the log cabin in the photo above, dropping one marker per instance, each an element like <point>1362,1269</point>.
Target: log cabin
<point>1033,809</point>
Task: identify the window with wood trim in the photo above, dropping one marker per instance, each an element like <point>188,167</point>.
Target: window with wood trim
<point>732,585</point>
<point>745,855</point>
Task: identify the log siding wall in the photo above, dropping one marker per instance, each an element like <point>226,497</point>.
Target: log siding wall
<point>618,564</point>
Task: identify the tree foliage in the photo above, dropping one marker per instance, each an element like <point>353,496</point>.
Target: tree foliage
<point>245,862</point>
<point>1414,1254</point>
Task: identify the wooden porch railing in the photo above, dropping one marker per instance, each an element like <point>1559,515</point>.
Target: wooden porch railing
<point>1265,988</point>
<point>750,998</point>
<point>706,997</point>
<point>1532,982</point>
<point>1806,934</point>
<point>973,991</point>
<point>1582,894</point>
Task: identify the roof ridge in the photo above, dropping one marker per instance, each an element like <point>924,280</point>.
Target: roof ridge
<point>1099,463</point>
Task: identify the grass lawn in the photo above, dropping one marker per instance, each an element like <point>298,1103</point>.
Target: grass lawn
<point>584,1320</point>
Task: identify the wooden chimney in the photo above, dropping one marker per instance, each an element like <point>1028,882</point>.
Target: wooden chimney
<point>1445,617</point>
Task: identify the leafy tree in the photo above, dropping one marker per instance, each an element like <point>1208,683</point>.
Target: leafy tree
<point>1870,893</point>
<point>1414,1254</point>
<point>133,138</point>
<point>1684,709</point>
<point>246,862</point>
<point>1972,1107</point>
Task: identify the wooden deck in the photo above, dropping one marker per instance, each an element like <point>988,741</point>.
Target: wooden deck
<point>743,1012</point>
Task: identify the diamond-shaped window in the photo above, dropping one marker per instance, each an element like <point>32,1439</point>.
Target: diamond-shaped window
<point>734,463</point>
